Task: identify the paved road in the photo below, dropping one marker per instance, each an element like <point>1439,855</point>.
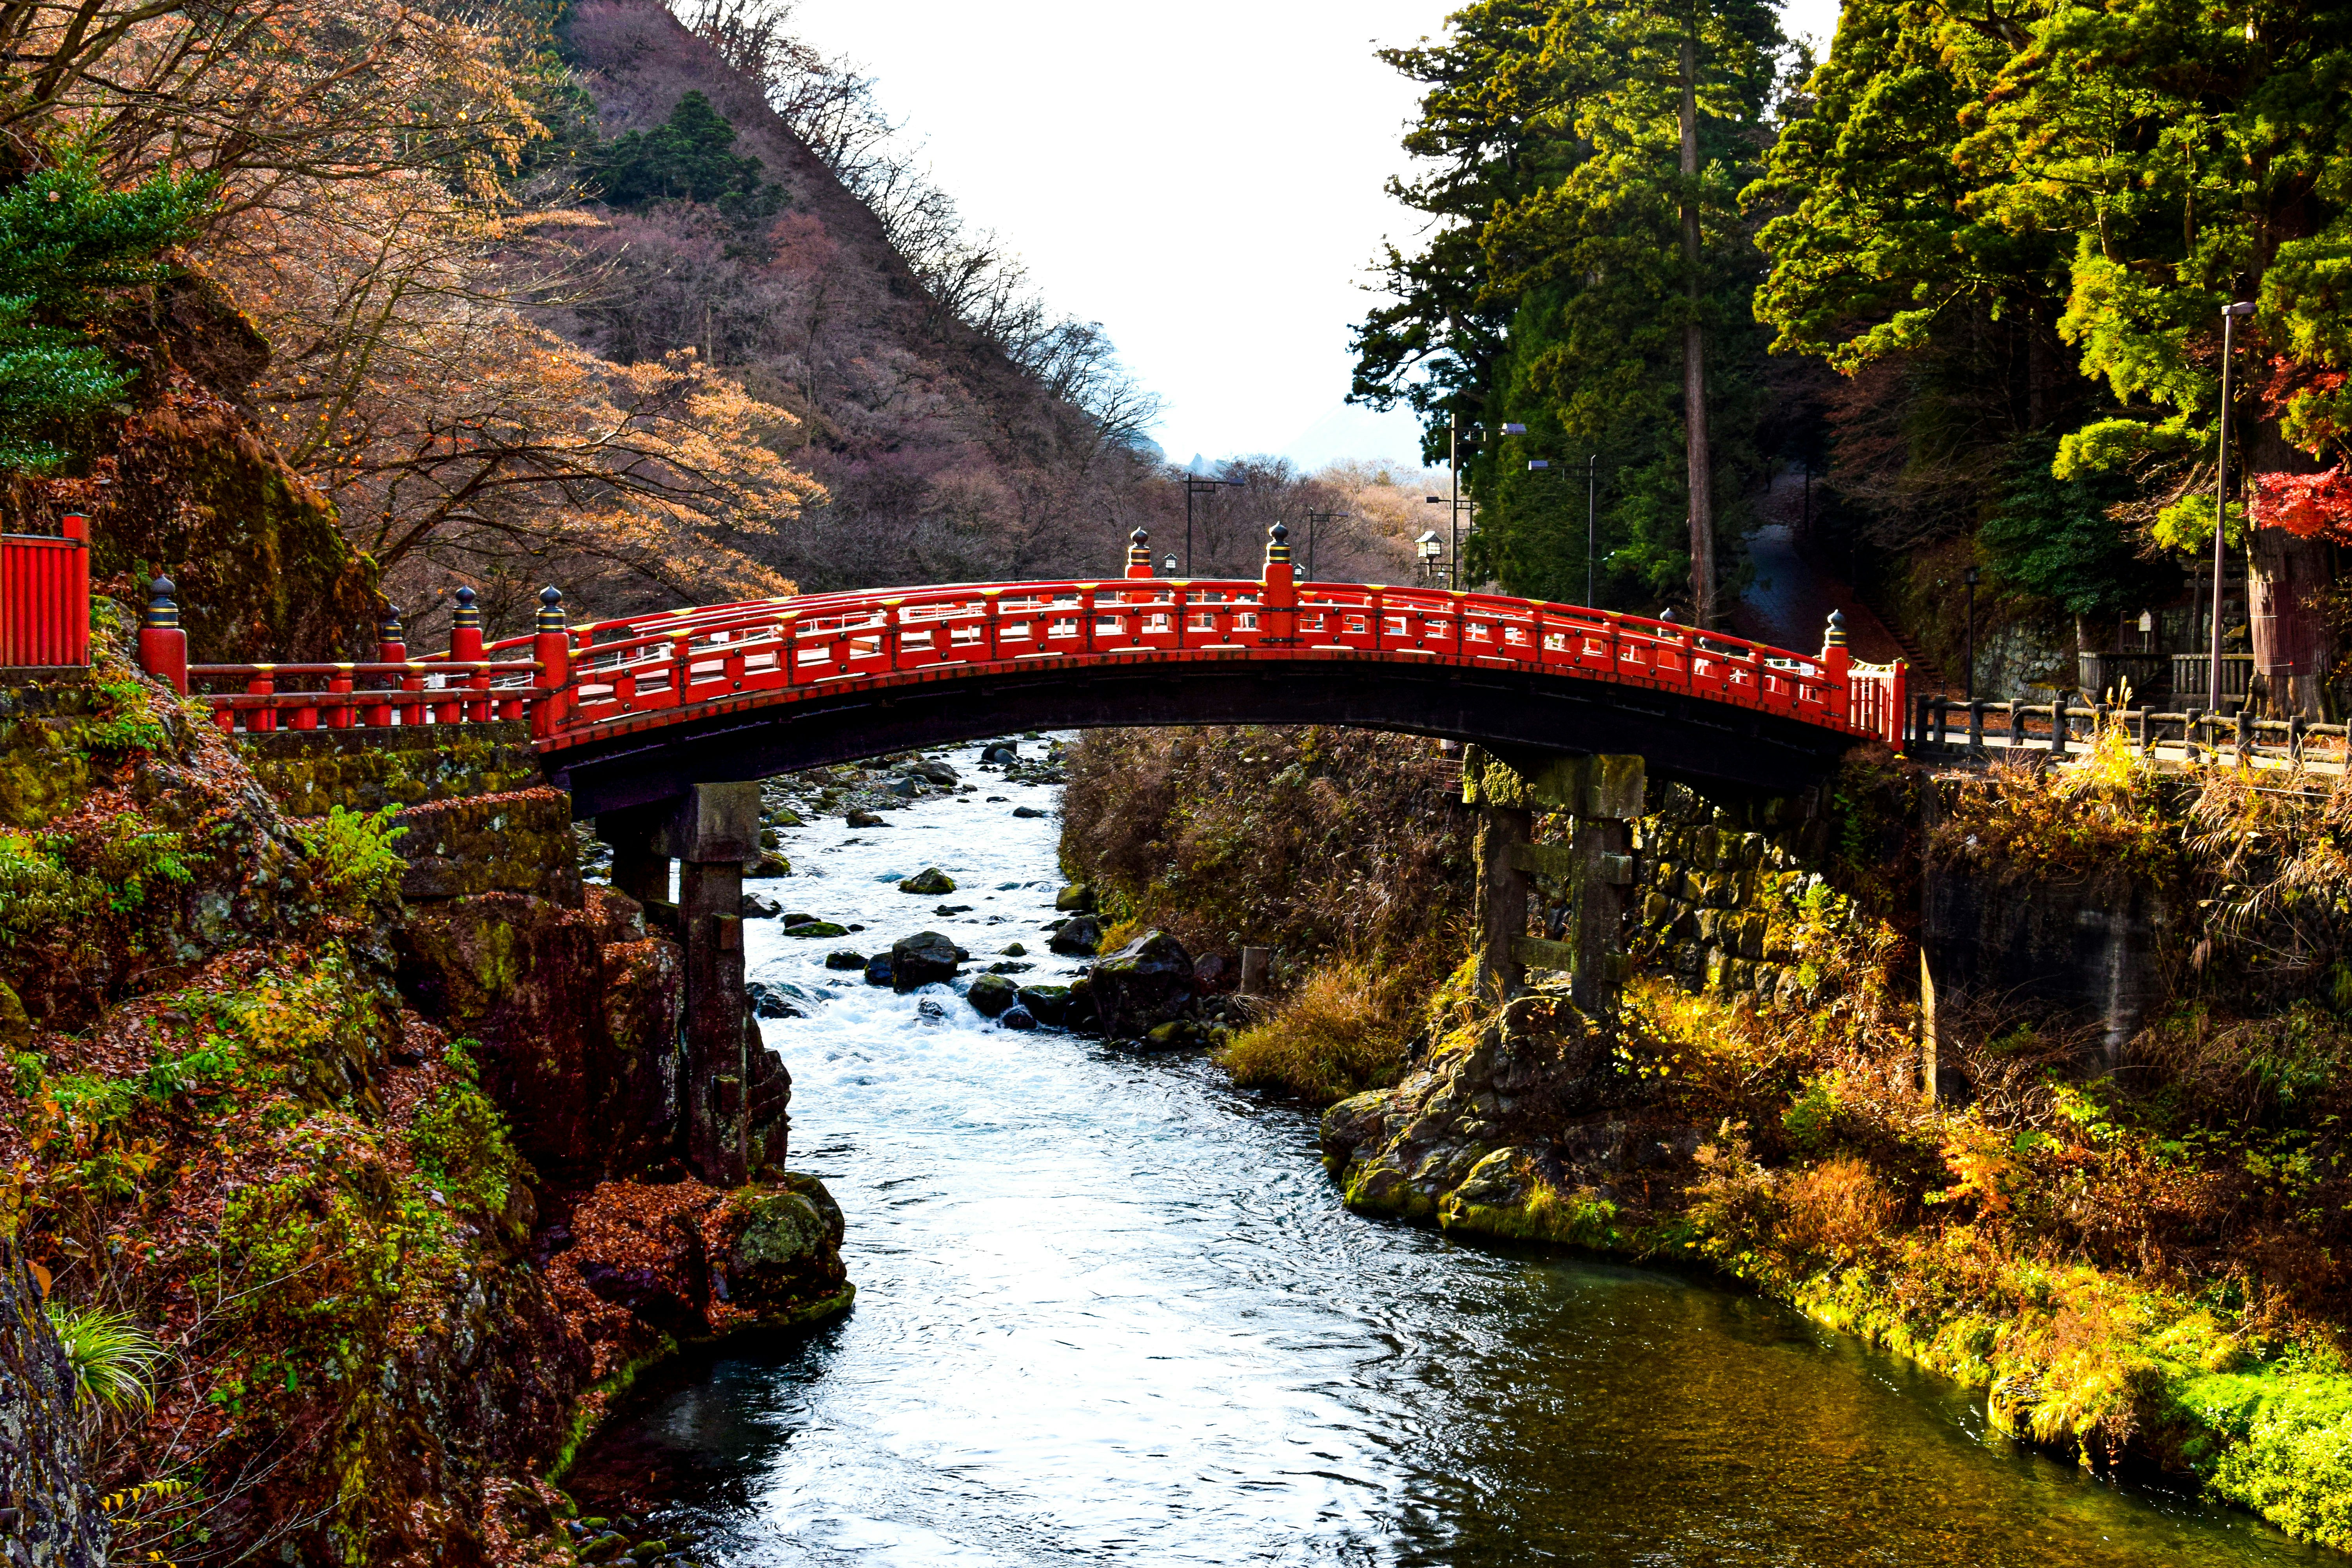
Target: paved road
<point>1789,602</point>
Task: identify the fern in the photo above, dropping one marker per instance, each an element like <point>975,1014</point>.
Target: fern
<point>113,1358</point>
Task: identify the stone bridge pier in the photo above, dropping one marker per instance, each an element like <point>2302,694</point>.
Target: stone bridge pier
<point>711,831</point>
<point>1595,868</point>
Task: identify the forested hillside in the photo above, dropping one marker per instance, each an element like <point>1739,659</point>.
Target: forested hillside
<point>320,306</point>
<point>1968,269</point>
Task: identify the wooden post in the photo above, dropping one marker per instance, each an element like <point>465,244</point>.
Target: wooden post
<point>1255,961</point>
<point>1281,610</point>
<point>551,646</point>
<point>162,645</point>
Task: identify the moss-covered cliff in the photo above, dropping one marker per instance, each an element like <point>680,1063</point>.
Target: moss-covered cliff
<point>331,1146</point>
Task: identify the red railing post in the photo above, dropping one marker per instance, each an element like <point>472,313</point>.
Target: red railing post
<point>551,645</point>
<point>466,648</point>
<point>75,643</point>
<point>1139,555</point>
<point>1837,666</point>
<point>391,648</point>
<point>264,684</point>
<point>339,717</point>
<point>162,645</point>
<point>1279,610</point>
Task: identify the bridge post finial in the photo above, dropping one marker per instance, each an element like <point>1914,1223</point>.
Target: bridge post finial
<point>1138,553</point>
<point>551,646</point>
<point>466,629</point>
<point>1837,663</point>
<point>1279,593</point>
<point>390,636</point>
<point>163,643</point>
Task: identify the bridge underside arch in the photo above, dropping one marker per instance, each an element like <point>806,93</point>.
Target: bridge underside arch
<point>1514,713</point>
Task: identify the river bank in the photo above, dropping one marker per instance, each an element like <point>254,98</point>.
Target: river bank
<point>1111,1307</point>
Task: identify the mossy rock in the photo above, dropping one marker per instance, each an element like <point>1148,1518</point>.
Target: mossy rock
<point>816,928</point>
<point>990,993</point>
<point>930,882</point>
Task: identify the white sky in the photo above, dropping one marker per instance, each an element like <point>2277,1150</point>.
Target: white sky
<point>1205,181</point>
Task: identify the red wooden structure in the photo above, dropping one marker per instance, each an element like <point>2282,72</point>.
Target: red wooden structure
<point>45,599</point>
<point>587,684</point>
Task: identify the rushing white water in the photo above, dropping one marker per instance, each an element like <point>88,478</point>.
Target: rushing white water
<point>1111,1311</point>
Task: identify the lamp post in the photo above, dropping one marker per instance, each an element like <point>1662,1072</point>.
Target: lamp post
<point>2230,314</point>
<point>1454,466</point>
<point>1428,548</point>
<point>1969,687</point>
<point>1195,485</point>
<point>1315,522</point>
<point>1168,566</point>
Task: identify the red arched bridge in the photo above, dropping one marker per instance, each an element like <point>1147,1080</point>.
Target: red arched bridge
<point>631,711</point>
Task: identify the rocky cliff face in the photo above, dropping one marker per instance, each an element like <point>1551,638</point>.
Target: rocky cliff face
<point>48,1506</point>
<point>332,1145</point>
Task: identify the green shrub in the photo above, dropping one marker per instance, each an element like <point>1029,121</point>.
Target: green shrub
<point>113,1358</point>
<point>351,854</point>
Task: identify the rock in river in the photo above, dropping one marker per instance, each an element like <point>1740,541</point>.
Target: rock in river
<point>865,819</point>
<point>1017,1017</point>
<point>1077,898</point>
<point>758,906</point>
<point>878,970</point>
<point>992,993</point>
<point>842,958</point>
<point>1047,1005</point>
<point>1080,937</point>
<point>778,1252</point>
<point>920,959</point>
<point>1026,811</point>
<point>1142,985</point>
<point>930,881</point>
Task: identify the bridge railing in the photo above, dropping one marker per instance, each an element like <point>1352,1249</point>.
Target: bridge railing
<point>572,680</point>
<point>44,597</point>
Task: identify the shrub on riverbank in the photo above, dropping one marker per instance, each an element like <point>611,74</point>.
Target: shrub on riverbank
<point>1338,1032</point>
<point>1341,849</point>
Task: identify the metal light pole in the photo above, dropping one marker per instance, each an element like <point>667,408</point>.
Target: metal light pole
<point>1591,514</point>
<point>1315,522</point>
<point>1195,485</point>
<point>2230,314</point>
<point>1970,577</point>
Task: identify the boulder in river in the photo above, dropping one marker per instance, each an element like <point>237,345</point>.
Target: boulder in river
<point>1173,1036</point>
<point>1079,937</point>
<point>1049,1004</point>
<point>1002,752</point>
<point>1077,898</point>
<point>1016,1018</point>
<point>758,907</point>
<point>767,863</point>
<point>865,819</point>
<point>1142,985</point>
<point>1026,811</point>
<point>843,959</point>
<point>934,772</point>
<point>1014,950</point>
<point>921,959</point>
<point>779,1251</point>
<point>952,910</point>
<point>771,1002</point>
<point>929,1010</point>
<point>992,993</point>
<point>878,970</point>
<point>816,928</point>
<point>930,881</point>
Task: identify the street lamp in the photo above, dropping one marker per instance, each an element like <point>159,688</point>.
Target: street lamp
<point>2230,314</point>
<point>1970,577</point>
<point>1428,548</point>
<point>1168,567</point>
<point>1195,485</point>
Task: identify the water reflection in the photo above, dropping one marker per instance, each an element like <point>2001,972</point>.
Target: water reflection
<point>1111,1311</point>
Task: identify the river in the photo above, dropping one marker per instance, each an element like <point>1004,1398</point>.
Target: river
<point>1110,1310</point>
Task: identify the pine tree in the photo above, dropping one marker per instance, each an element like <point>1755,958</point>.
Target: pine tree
<point>71,248</point>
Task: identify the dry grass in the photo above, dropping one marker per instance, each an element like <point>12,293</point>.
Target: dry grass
<point>1341,1032</point>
